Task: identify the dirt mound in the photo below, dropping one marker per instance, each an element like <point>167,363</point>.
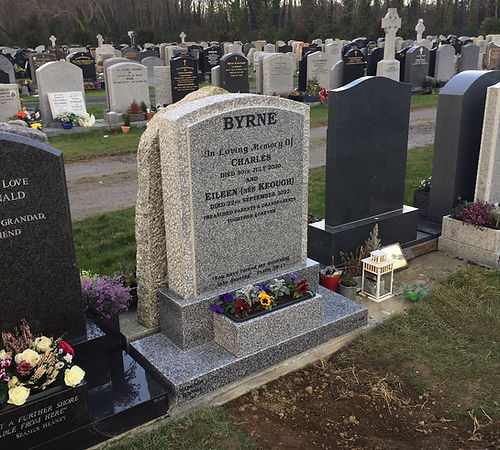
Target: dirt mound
<point>332,405</point>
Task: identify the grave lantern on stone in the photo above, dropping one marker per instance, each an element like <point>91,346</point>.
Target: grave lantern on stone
<point>378,276</point>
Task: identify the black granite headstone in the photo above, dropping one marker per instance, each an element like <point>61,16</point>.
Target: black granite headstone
<point>4,77</point>
<point>39,277</point>
<point>365,168</point>
<point>211,57</point>
<point>37,60</point>
<point>416,67</point>
<point>354,66</point>
<point>285,49</point>
<point>234,73</point>
<point>303,72</point>
<point>184,76</point>
<point>401,57</point>
<point>86,62</point>
<point>349,46</point>
<point>376,55</point>
<point>246,47</point>
<point>457,141</point>
<point>432,61</point>
<point>147,53</point>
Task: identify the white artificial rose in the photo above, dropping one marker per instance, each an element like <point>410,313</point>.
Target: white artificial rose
<point>30,356</point>
<point>18,395</point>
<point>42,344</point>
<point>73,376</point>
<point>12,383</point>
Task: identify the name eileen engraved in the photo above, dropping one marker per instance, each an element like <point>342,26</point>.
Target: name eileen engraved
<point>261,187</point>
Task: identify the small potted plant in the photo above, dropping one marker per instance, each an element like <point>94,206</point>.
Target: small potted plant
<point>129,279</point>
<point>429,85</point>
<point>296,96</point>
<point>421,197</point>
<point>126,123</point>
<point>67,119</point>
<point>103,298</point>
<point>149,114</point>
<point>353,266</point>
<point>312,91</point>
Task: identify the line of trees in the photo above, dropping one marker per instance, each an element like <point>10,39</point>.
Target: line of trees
<point>31,22</point>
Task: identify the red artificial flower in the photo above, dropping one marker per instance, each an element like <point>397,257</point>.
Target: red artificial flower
<point>66,348</point>
<point>302,287</point>
<point>23,368</point>
<point>21,114</point>
<point>241,307</point>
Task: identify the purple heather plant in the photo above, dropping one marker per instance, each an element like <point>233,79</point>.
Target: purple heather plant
<point>477,214</point>
<point>104,296</point>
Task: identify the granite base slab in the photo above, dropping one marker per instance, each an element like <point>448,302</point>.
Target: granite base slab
<point>188,322</point>
<point>202,369</point>
<point>244,338</point>
<point>324,242</point>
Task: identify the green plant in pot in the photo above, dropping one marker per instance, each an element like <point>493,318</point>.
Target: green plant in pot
<point>126,123</point>
<point>348,285</point>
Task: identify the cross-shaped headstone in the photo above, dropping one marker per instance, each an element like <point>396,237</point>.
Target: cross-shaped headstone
<point>100,40</point>
<point>131,35</point>
<point>420,28</point>
<point>53,40</point>
<point>391,23</point>
<point>183,37</point>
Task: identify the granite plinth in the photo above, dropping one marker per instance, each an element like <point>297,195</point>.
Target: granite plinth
<point>188,322</point>
<point>325,242</point>
<point>480,245</point>
<point>244,338</point>
<point>205,368</point>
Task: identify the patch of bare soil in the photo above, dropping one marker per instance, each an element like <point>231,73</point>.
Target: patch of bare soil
<point>335,406</point>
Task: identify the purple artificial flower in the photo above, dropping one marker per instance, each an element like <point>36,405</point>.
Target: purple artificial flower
<point>216,309</point>
<point>264,288</point>
<point>226,298</point>
<point>6,362</point>
<point>3,375</point>
<point>293,277</point>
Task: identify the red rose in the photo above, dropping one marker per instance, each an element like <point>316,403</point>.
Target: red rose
<point>302,287</point>
<point>241,307</point>
<point>66,348</point>
<point>23,368</point>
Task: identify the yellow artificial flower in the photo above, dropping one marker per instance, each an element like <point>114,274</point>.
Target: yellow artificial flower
<point>30,356</point>
<point>36,126</point>
<point>12,383</point>
<point>4,354</point>
<point>265,298</point>
<point>18,395</point>
<point>42,344</point>
<point>73,376</point>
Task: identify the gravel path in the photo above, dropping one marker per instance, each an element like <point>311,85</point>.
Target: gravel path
<point>110,183</point>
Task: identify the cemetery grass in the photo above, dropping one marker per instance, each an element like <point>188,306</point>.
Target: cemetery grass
<point>93,143</point>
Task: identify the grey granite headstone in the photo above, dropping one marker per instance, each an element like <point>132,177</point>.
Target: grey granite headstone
<point>151,62</point>
<point>107,64</point>
<point>488,170</point>
<point>215,76</point>
<point>468,58</point>
<point>127,82</point>
<point>6,71</point>
<point>318,68</point>
<point>55,77</point>
<point>131,53</point>
<point>365,168</point>
<point>445,62</point>
<point>39,277</point>
<point>416,67</point>
<point>163,86</point>
<point>278,70</point>
<point>336,75</point>
<point>457,141</point>
<point>9,101</point>
<point>492,61</point>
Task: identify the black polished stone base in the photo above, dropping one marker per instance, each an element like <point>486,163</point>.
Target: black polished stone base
<point>325,242</point>
<point>121,395</point>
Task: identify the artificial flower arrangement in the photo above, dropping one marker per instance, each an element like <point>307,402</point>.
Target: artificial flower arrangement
<point>67,117</point>
<point>251,299</point>
<point>32,118</point>
<point>30,365</point>
<point>103,296</point>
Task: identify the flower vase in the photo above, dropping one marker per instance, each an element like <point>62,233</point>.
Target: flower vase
<point>330,282</point>
<point>67,125</point>
<point>110,326</point>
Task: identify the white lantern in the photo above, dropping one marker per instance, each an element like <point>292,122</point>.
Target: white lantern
<point>378,276</point>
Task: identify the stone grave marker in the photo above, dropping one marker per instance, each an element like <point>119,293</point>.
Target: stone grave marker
<point>373,58</point>
<point>457,141</point>
<point>163,85</point>
<point>55,77</point>
<point>151,62</point>
<point>469,58</point>
<point>259,75</point>
<point>234,73</point>
<point>354,66</point>
<point>215,76</point>
<point>235,48</point>
<point>246,48</point>
<point>37,60</point>
<point>131,53</point>
<point>401,57</point>
<point>319,65</point>
<point>39,273</point>
<point>259,45</point>
<point>416,67</point>
<point>336,75</point>
<point>488,169</point>
<point>148,53</point>
<point>127,82</point>
<point>378,151</point>
<point>107,64</point>
<point>64,102</point>
<point>251,56</point>
<point>278,70</point>
<point>184,77</point>
<point>7,75</point>
<point>335,50</point>
<point>285,49</point>
<point>211,57</point>
<point>445,63</point>
<point>270,48</point>
<point>492,57</point>
<point>104,52</point>
<point>9,101</point>
<point>86,62</point>
<point>389,66</point>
